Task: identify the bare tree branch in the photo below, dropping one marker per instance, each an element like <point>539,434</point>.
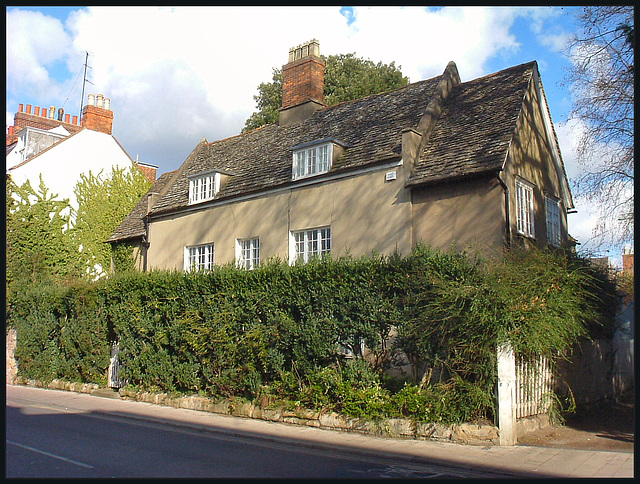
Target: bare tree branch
<point>602,82</point>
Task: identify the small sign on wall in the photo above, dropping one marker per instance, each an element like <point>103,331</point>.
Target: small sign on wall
<point>390,176</point>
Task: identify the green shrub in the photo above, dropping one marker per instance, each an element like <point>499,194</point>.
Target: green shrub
<point>278,332</point>
<point>60,334</point>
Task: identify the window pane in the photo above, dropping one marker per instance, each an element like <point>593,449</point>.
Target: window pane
<point>323,155</point>
<point>200,257</point>
<point>326,240</point>
<point>202,188</point>
<point>524,209</point>
<point>299,165</point>
<point>311,161</point>
<point>299,245</point>
<point>310,243</point>
<point>553,222</point>
<point>249,256</point>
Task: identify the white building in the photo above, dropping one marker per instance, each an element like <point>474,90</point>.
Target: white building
<point>60,151</point>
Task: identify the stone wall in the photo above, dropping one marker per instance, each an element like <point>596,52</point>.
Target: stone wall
<point>466,433</point>
<point>11,363</point>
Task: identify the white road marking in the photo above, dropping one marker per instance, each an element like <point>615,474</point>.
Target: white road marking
<point>87,466</point>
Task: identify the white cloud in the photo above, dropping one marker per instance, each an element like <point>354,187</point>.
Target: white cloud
<point>176,75</point>
<point>34,43</point>
<point>423,41</point>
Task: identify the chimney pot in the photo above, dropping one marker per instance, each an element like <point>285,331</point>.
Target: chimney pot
<point>107,103</point>
<point>44,112</point>
<point>20,107</point>
<point>52,112</point>
<point>75,120</point>
<point>28,108</point>
<point>66,118</point>
<point>60,114</point>
<point>36,111</point>
<point>99,99</point>
<point>96,118</point>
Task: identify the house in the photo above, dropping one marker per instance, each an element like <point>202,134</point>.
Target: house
<point>438,161</point>
<point>60,149</point>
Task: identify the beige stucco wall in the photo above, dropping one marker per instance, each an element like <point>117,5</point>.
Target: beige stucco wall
<point>469,214</point>
<point>365,213</point>
<point>530,157</point>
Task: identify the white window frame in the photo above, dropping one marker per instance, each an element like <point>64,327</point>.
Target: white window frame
<point>525,211</point>
<point>203,187</point>
<point>309,243</point>
<point>312,160</point>
<point>248,253</point>
<point>554,224</point>
<point>199,257</point>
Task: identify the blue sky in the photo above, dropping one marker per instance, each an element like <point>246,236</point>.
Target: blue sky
<point>177,75</point>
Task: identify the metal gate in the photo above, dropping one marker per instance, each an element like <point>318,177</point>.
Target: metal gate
<point>114,379</point>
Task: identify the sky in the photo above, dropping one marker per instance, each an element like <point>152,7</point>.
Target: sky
<point>176,75</point>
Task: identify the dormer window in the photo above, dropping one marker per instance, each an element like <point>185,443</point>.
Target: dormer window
<point>312,160</point>
<point>203,187</point>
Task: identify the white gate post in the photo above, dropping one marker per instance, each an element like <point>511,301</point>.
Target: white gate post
<point>114,367</point>
<point>506,395</point>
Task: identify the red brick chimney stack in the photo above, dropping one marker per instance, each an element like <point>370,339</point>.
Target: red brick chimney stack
<point>627,260</point>
<point>302,83</point>
<point>41,118</point>
<point>97,114</point>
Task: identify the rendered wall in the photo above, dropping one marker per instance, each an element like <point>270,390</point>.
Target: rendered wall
<point>530,157</point>
<point>365,213</point>
<point>469,214</point>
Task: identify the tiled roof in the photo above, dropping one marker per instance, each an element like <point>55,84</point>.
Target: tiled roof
<point>477,123</point>
<point>262,159</point>
<point>133,224</point>
<point>470,137</point>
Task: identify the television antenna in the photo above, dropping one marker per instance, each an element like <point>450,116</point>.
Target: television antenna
<point>84,80</point>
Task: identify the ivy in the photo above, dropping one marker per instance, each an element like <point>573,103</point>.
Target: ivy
<point>103,203</point>
<point>39,244</point>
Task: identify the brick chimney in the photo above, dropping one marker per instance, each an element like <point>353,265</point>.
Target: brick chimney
<point>627,259</point>
<point>148,170</point>
<point>41,118</point>
<point>97,114</point>
<point>302,83</point>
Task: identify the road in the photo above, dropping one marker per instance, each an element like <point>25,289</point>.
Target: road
<point>54,434</point>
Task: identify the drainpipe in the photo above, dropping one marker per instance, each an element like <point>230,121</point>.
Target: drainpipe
<point>505,188</point>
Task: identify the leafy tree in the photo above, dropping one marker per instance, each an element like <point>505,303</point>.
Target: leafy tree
<point>103,203</point>
<point>39,242</point>
<point>347,77</point>
<point>602,81</point>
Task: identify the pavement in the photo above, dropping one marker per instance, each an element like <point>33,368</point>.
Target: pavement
<point>519,461</point>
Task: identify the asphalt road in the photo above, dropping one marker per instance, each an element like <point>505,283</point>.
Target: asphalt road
<point>50,434</point>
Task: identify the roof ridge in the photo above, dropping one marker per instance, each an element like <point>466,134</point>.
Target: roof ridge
<point>502,71</point>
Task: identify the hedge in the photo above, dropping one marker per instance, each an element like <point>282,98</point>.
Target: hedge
<point>279,333</point>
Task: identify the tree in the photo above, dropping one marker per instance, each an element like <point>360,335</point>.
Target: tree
<point>39,244</point>
<point>601,77</point>
<point>103,203</point>
<point>346,78</point>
